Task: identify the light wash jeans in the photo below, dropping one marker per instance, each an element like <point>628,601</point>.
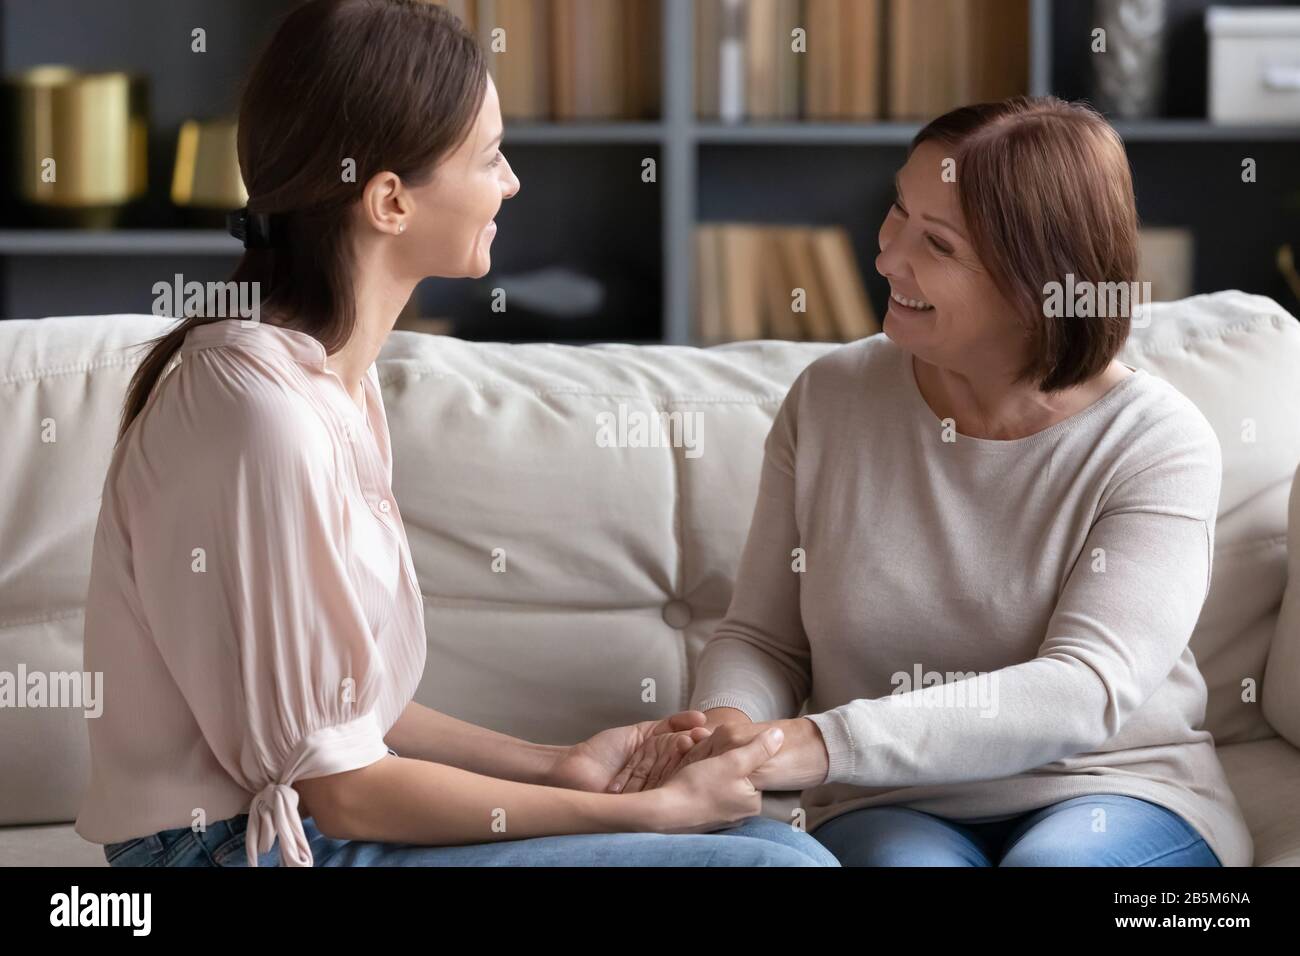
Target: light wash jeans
<point>1136,833</point>
<point>757,841</point>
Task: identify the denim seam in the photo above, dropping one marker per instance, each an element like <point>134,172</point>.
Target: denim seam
<point>236,841</point>
<point>1161,856</point>
<point>123,847</point>
<point>203,844</point>
<point>179,847</point>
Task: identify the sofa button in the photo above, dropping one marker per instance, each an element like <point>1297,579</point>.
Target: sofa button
<point>677,614</point>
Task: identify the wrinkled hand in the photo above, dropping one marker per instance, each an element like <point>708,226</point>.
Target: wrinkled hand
<point>594,763</point>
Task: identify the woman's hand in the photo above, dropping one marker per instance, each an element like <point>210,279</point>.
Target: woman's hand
<point>802,761</point>
<point>645,770</point>
<point>717,792</point>
<point>594,763</point>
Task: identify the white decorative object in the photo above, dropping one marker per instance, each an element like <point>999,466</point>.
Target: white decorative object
<point>731,63</point>
<point>1130,74</point>
<point>1254,64</point>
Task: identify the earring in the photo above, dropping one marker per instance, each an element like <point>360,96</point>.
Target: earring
<point>401,227</point>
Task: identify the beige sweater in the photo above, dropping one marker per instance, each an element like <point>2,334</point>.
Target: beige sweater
<point>980,628</point>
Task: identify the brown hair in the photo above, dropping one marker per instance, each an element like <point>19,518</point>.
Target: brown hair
<point>390,84</point>
<point>1046,191</point>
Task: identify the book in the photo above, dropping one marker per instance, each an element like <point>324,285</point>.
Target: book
<point>781,322</point>
<point>708,42</point>
<point>850,308</point>
<point>710,304</point>
<point>772,68</point>
<point>799,283</point>
<point>802,273</point>
<point>643,55</point>
<point>589,53</point>
<point>862,59</point>
<point>823,86</point>
<point>980,53</point>
<point>741,248</point>
<point>518,56</point>
<point>999,50</point>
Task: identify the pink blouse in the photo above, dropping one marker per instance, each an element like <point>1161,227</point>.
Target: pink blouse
<point>252,605</point>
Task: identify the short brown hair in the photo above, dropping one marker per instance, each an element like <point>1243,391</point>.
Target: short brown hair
<point>1046,191</point>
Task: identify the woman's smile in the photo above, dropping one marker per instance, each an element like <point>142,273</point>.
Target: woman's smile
<point>906,305</point>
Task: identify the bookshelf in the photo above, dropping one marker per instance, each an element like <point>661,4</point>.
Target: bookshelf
<point>582,201</point>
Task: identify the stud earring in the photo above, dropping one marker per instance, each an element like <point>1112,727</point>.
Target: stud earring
<point>401,227</point>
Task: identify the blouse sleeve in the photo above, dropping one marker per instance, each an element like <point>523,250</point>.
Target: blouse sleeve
<point>1112,640</point>
<point>758,659</point>
<point>240,560</point>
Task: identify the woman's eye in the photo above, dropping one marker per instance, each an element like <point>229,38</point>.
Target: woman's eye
<point>899,206</point>
<point>496,160</point>
<point>938,246</point>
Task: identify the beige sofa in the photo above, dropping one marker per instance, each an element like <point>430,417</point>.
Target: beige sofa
<point>618,561</point>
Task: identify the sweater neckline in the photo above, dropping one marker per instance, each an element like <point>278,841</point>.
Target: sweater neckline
<point>1114,394</point>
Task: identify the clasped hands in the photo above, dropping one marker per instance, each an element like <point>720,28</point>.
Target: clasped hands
<point>646,755</point>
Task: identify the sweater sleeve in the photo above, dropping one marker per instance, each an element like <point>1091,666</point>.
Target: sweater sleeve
<point>757,660</point>
<point>1123,619</point>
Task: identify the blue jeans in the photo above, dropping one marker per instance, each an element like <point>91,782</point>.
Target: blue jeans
<point>757,841</point>
<point>1136,833</point>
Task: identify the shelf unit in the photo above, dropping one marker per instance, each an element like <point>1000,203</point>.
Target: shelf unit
<point>691,192</point>
<point>579,205</point>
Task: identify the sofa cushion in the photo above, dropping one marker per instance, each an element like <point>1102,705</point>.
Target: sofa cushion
<point>62,382</point>
<point>52,845</point>
<point>568,584</point>
<point>1265,777</point>
<point>1235,356</point>
<point>1282,676</point>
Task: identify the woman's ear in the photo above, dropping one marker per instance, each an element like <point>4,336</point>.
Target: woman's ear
<point>385,203</point>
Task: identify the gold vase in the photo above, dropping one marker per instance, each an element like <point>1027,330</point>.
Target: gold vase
<point>78,144</point>
<point>206,181</point>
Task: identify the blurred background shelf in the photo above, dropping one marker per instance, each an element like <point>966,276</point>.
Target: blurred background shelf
<point>1192,130</point>
<point>569,134</point>
<point>585,204</point>
<point>118,242</point>
<point>858,134</point>
<point>900,134</point>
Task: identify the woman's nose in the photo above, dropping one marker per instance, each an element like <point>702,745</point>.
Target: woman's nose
<point>889,262</point>
<point>885,264</point>
<point>898,246</point>
<point>511,184</point>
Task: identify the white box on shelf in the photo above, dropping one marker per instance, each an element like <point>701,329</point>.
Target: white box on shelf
<point>1254,70</point>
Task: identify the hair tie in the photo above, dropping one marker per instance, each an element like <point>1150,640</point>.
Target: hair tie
<point>253,229</point>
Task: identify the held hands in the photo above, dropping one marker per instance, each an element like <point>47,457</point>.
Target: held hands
<point>802,761</point>
<point>595,763</point>
<point>700,771</point>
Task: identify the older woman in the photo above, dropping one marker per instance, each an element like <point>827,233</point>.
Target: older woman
<point>981,541</point>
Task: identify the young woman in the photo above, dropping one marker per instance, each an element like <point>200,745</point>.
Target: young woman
<point>252,602</point>
<point>1008,536</point>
